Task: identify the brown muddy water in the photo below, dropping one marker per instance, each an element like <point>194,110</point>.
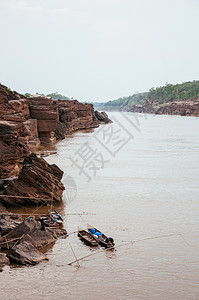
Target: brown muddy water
<point>139,176</point>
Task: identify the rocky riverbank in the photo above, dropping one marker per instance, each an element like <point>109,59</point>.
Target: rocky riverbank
<point>26,179</point>
<point>188,108</point>
<point>24,240</point>
<point>25,123</point>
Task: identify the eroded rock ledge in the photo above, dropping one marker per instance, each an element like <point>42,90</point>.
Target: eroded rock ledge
<point>24,242</point>
<point>38,182</point>
<point>26,122</point>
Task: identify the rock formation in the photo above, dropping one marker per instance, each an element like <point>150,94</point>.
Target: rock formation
<point>180,108</point>
<point>57,118</point>
<point>45,110</point>
<point>25,122</point>
<point>25,253</point>
<point>73,116</point>
<point>24,241</point>
<point>7,223</point>
<point>37,183</point>
<point>102,117</point>
<point>18,132</point>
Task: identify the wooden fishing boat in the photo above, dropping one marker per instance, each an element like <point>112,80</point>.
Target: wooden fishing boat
<point>55,216</point>
<point>53,219</point>
<point>103,239</point>
<point>87,237</point>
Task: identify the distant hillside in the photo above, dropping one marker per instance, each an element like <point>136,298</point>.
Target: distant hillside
<point>124,103</point>
<point>178,92</point>
<point>170,93</point>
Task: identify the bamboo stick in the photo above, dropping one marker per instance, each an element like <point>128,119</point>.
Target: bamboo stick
<point>77,261</point>
<point>132,242</point>
<point>98,252</point>
<point>162,236</point>
<point>7,243</point>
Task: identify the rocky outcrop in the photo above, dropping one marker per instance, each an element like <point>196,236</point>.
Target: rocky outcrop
<point>180,108</point>
<point>13,106</point>
<point>73,116</point>
<point>30,230</point>
<point>14,237</point>
<point>45,110</point>
<point>25,122</point>
<point>8,222</point>
<point>38,182</point>
<point>13,147</point>
<point>3,260</point>
<point>57,118</point>
<point>25,253</point>
<point>24,241</point>
<point>102,117</point>
<point>18,133</point>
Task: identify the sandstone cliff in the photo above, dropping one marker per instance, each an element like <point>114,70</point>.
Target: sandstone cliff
<point>74,115</point>
<point>18,132</point>
<point>27,122</point>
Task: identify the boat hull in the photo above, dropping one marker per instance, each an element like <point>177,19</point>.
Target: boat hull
<point>87,238</point>
<point>103,239</point>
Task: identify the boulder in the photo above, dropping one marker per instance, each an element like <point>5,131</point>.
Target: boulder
<point>14,236</point>
<point>31,231</point>
<point>39,238</point>
<point>38,182</point>
<point>7,223</point>
<point>102,117</point>
<point>25,253</point>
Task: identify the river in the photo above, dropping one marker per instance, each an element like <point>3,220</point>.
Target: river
<point>136,178</point>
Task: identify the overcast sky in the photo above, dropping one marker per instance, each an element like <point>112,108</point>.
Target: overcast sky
<point>97,50</point>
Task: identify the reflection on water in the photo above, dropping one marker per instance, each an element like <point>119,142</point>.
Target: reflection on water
<point>149,188</point>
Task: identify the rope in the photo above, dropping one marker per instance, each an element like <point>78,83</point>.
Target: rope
<point>131,242</point>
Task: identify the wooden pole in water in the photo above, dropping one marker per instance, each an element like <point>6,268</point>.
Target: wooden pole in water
<point>132,242</point>
<point>98,252</point>
<point>77,260</point>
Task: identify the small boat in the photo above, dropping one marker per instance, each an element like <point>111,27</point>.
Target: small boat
<point>87,237</point>
<point>102,238</point>
<point>55,217</point>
